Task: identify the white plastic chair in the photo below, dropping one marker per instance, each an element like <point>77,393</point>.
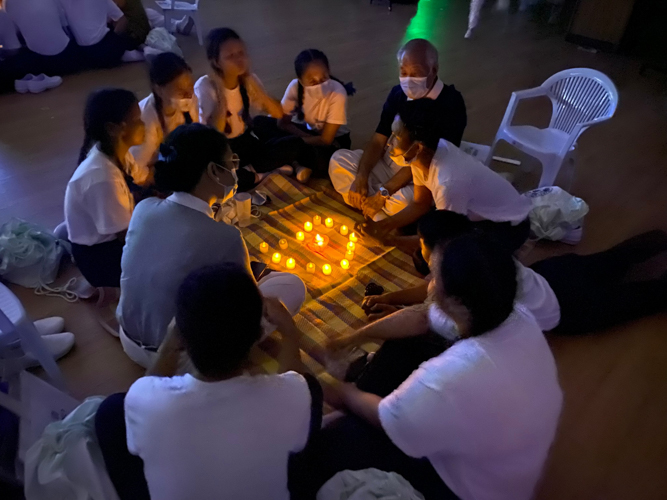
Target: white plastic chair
<point>581,97</point>
<point>15,327</point>
<point>175,10</point>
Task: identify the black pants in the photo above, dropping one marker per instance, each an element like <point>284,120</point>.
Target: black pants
<point>349,443</point>
<point>106,53</point>
<point>99,264</point>
<point>313,157</point>
<point>593,291</point>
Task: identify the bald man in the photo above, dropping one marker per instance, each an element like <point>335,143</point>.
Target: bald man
<point>369,180</point>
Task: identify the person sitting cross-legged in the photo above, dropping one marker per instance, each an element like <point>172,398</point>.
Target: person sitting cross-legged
<point>220,432</point>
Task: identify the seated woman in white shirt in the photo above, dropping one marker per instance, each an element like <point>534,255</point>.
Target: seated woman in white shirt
<point>475,422</point>
<point>315,106</point>
<point>171,103</point>
<point>98,201</point>
<point>223,431</point>
<point>453,180</point>
<point>168,239</point>
<point>226,97</point>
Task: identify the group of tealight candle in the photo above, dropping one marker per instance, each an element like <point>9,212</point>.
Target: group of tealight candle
<point>318,240</point>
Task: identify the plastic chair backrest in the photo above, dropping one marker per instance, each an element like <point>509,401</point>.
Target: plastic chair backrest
<point>580,96</point>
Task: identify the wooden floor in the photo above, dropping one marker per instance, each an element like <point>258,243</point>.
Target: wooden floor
<point>612,442</point>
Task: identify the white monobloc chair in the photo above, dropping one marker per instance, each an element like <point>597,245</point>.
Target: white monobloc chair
<point>175,10</point>
<point>580,97</point>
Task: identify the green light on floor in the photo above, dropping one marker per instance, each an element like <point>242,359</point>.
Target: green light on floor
<point>426,21</point>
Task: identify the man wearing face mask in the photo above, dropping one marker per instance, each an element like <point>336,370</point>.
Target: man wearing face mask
<point>370,180</point>
<point>168,239</point>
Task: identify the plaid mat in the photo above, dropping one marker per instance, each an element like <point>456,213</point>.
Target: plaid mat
<point>333,303</point>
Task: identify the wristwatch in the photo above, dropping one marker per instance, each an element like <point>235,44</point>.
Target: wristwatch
<point>384,192</point>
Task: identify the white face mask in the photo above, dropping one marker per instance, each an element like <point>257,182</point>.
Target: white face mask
<point>399,159</point>
<point>230,191</point>
<point>183,105</point>
<point>414,88</point>
<point>317,92</point>
<point>442,324</point>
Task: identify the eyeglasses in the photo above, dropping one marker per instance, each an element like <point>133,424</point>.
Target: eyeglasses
<point>232,164</point>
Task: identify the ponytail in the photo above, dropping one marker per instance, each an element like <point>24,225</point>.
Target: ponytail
<point>104,107</point>
<point>245,114</point>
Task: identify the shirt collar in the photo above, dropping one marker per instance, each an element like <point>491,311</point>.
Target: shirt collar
<point>435,91</point>
<point>190,201</point>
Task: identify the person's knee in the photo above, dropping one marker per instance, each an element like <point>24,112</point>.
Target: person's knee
<point>287,287</point>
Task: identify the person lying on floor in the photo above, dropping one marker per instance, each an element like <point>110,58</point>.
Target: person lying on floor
<point>172,102</point>
<point>98,201</point>
<point>219,432</point>
<point>226,97</point>
<point>369,180</point>
<point>451,179</point>
<point>167,239</point>
<point>474,422</point>
<point>315,106</point>
<point>567,294</point>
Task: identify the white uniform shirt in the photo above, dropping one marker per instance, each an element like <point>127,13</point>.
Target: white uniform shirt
<point>9,39</point>
<point>484,412</point>
<point>145,154</point>
<point>462,184</point>
<point>536,295</point>
<point>41,24</point>
<point>332,108</point>
<point>229,439</point>
<point>98,202</point>
<point>88,19</point>
<point>231,102</point>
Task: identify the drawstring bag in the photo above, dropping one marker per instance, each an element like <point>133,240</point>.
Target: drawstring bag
<point>30,256</point>
<point>555,213</point>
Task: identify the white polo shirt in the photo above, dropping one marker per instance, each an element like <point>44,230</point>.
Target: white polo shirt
<point>9,39</point>
<point>88,19</point>
<point>145,154</point>
<point>231,102</point>
<point>229,439</point>
<point>484,412</point>
<point>462,184</point>
<point>535,293</point>
<point>41,24</point>
<point>98,202</point>
<point>331,108</point>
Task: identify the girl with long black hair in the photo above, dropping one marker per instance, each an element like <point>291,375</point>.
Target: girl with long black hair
<point>98,201</point>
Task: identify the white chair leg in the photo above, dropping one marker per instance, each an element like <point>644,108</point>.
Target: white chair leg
<point>168,23</point>
<point>489,157</point>
<point>199,27</point>
<point>550,169</point>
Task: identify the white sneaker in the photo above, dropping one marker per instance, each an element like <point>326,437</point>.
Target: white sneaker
<point>185,25</point>
<point>42,82</point>
<point>21,85</point>
<point>303,174</point>
<point>49,326</point>
<point>58,345</point>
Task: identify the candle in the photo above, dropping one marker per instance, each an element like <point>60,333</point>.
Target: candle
<point>326,269</point>
<point>308,226</point>
<point>351,246</point>
<point>345,264</point>
<point>317,220</point>
<point>290,263</point>
<point>349,255</point>
<point>343,230</point>
<point>300,236</point>
<point>264,247</point>
<point>276,258</point>
<point>310,267</point>
<point>328,222</point>
<point>353,237</point>
<point>319,241</point>
<point>282,244</point>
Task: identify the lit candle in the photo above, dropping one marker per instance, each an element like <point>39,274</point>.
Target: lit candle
<point>290,263</point>
<point>353,237</point>
<point>264,247</point>
<point>300,236</point>
<point>276,258</point>
<point>310,267</point>
<point>328,222</point>
<point>326,269</point>
<point>317,220</point>
<point>351,246</point>
<point>343,230</point>
<point>349,255</point>
<point>319,241</point>
<point>308,226</point>
<point>282,244</point>
<point>345,264</point>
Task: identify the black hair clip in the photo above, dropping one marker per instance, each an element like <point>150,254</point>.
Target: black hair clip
<point>167,153</point>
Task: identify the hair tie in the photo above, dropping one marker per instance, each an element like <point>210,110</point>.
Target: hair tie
<point>167,153</point>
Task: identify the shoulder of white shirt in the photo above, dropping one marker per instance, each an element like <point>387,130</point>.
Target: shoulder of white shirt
<point>190,201</point>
